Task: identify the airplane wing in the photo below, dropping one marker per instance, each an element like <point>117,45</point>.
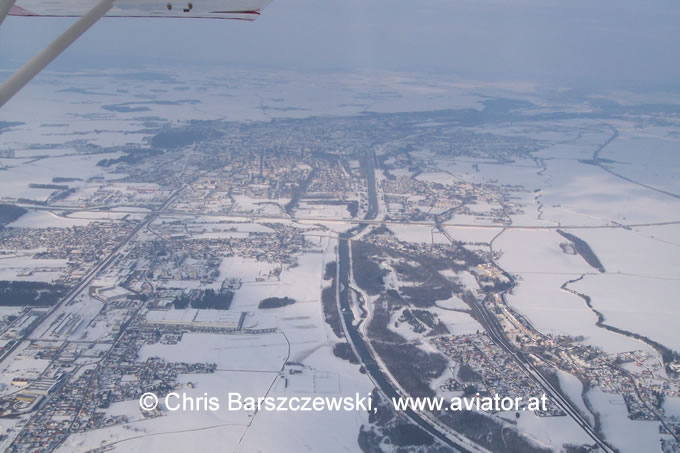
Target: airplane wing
<point>90,11</point>
<point>200,9</point>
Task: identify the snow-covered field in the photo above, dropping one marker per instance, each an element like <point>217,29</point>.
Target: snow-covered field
<point>560,185</point>
<point>22,266</point>
<point>253,365</point>
<point>627,435</point>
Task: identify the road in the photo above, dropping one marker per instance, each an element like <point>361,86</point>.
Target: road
<point>601,163</point>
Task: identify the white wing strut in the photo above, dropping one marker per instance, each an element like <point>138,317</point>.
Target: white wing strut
<point>16,82</point>
<point>5,6</point>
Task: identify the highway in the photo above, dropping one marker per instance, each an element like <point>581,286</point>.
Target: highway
<point>498,336</point>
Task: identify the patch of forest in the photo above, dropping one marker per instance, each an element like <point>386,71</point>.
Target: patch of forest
<point>58,179</point>
<point>132,157</point>
<point>9,213</point>
<point>490,433</point>
<point>329,302</point>
<point>275,302</point>
<point>204,299</point>
<point>412,367</point>
<point>34,294</point>
<point>583,249</point>
<point>367,273</point>
<point>344,351</point>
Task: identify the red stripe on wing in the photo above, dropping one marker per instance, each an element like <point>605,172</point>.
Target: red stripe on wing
<point>19,11</point>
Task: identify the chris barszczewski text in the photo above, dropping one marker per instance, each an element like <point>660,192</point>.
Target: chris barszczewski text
<point>234,401</point>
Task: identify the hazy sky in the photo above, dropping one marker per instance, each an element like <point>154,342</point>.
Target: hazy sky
<point>568,41</point>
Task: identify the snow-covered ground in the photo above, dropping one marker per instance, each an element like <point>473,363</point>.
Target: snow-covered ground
<point>20,265</point>
<point>557,186</point>
<point>627,435</point>
<point>253,365</point>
